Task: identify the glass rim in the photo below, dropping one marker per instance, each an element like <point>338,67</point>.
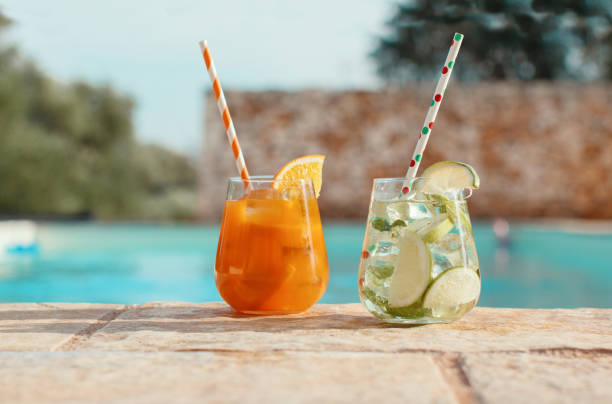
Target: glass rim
<point>398,179</point>
<point>465,193</point>
<point>270,179</point>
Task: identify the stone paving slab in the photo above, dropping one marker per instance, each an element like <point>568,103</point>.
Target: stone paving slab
<point>188,352</point>
<point>559,377</point>
<point>44,327</point>
<point>348,327</point>
<point>170,377</point>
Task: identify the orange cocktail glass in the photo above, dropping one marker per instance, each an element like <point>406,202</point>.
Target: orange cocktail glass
<point>271,257</point>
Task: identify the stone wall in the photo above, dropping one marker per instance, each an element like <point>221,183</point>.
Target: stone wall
<point>542,150</point>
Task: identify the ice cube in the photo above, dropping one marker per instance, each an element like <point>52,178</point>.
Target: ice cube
<point>423,225</point>
<point>415,195</point>
<point>380,286</point>
<point>418,211</point>
<point>381,263</point>
<point>383,252</point>
<point>450,242</point>
<point>441,262</point>
<point>379,209</point>
<point>386,247</point>
<point>398,228</point>
<point>376,238</point>
<point>398,210</point>
<point>458,249</point>
<point>261,206</point>
<point>382,268</point>
<point>263,193</point>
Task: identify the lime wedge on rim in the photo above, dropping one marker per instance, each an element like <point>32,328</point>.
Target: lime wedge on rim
<point>412,271</point>
<point>447,175</point>
<point>455,286</point>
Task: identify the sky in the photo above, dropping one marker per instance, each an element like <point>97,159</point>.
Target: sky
<point>149,50</point>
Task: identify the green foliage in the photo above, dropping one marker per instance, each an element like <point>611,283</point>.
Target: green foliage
<point>505,39</point>
<point>69,149</point>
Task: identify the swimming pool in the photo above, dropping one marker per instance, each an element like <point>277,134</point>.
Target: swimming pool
<point>126,263</point>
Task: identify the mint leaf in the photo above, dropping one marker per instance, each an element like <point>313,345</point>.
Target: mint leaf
<point>381,224</point>
<point>374,298</point>
<point>381,269</point>
<point>415,310</point>
<point>398,223</point>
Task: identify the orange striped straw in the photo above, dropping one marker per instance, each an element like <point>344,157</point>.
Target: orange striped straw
<point>225,115</point>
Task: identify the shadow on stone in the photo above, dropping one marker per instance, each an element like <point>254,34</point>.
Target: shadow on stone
<point>53,314</point>
<point>184,319</point>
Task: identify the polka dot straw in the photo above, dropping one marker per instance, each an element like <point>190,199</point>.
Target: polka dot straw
<point>225,115</point>
<point>430,118</point>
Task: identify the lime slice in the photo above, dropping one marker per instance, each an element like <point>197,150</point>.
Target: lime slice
<point>458,215</point>
<point>453,208</point>
<point>436,229</point>
<point>447,175</point>
<point>412,271</point>
<point>455,286</point>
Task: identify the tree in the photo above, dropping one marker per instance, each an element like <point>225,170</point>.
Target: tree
<point>70,149</point>
<point>505,39</point>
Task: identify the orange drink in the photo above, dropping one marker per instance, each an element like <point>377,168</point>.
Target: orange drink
<point>271,256</point>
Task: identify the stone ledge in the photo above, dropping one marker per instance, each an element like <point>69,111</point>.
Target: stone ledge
<point>347,328</point>
<point>170,377</point>
<point>187,352</point>
<point>48,326</point>
<point>511,378</point>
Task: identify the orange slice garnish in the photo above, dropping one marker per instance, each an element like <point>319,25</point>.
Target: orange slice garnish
<point>310,166</point>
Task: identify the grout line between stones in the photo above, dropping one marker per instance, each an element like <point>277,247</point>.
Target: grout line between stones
<point>571,352</point>
<point>86,333</point>
<point>567,352</point>
<point>451,369</point>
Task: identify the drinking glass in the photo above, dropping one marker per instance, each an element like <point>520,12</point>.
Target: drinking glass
<point>271,256</point>
<point>418,263</point>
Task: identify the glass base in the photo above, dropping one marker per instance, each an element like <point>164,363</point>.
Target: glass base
<point>270,313</point>
<point>437,316</point>
<point>416,321</point>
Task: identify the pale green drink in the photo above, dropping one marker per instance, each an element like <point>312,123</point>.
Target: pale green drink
<point>419,263</point>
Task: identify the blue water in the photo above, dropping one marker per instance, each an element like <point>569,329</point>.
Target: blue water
<point>140,263</point>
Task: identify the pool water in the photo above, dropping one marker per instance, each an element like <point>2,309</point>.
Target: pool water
<point>130,264</point>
